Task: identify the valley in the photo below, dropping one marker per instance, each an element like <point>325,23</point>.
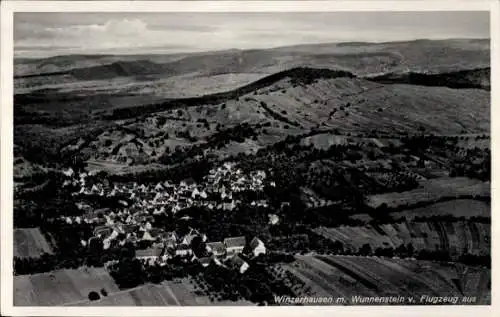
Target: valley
<point>320,170</point>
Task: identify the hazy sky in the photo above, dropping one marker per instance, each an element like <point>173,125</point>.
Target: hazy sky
<point>42,34</point>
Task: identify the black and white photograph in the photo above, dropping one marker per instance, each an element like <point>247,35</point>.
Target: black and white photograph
<point>291,159</point>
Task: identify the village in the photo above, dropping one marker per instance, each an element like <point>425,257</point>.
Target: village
<point>134,222</point>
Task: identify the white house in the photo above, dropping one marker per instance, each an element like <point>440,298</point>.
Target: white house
<point>150,255</point>
<point>273,219</point>
<point>237,263</point>
<point>183,250</point>
<point>69,172</point>
<point>217,248</point>
<point>234,245</point>
<point>257,247</point>
<point>147,236</point>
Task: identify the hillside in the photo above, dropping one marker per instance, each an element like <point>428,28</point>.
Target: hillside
<point>297,101</point>
<point>363,169</point>
<point>358,58</point>
<point>474,78</point>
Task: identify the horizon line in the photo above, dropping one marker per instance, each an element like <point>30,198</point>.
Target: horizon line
<point>257,49</point>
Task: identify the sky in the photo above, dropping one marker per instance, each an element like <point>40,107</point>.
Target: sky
<point>46,34</point>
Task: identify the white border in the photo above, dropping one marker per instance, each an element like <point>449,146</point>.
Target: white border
<point>6,154</point>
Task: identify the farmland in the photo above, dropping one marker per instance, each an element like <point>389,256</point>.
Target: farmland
<point>29,242</point>
<point>229,178</point>
<point>458,208</point>
<point>146,295</point>
<point>431,191</point>
<point>60,287</point>
<point>178,292</point>
<point>346,276</point>
<point>458,237</point>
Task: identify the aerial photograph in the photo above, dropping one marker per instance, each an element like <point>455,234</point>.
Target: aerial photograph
<point>252,158</point>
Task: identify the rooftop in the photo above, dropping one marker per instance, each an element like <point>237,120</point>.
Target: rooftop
<point>235,242</point>
<point>148,252</point>
<point>255,243</point>
<point>217,247</point>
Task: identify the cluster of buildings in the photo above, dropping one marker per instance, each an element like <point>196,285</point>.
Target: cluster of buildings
<point>215,192</point>
<point>134,221</point>
<point>224,253</point>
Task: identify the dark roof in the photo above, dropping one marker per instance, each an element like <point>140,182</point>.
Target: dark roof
<point>103,229</point>
<point>103,210</point>
<point>217,247</point>
<point>130,227</point>
<point>234,242</point>
<point>183,247</point>
<point>154,232</point>
<point>149,252</point>
<point>255,242</point>
<point>236,261</point>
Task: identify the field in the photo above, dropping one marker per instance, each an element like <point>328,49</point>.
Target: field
<point>431,190</point>
<point>457,237</point>
<point>458,208</point>
<point>29,242</point>
<point>347,276</point>
<point>146,295</point>
<point>359,143</point>
<point>60,287</point>
<point>168,293</point>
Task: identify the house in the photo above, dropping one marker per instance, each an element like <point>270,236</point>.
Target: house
<point>190,236</point>
<point>150,255</point>
<point>195,193</point>
<point>273,219</point>
<point>257,247</point>
<point>69,172</point>
<point>129,228</point>
<point>103,230</point>
<point>217,248</point>
<point>183,250</point>
<point>147,236</point>
<point>203,194</point>
<point>235,245</point>
<point>171,236</point>
<point>229,206</point>
<point>238,264</point>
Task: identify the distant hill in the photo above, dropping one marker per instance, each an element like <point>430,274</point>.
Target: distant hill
<point>292,102</point>
<point>355,88</point>
<point>359,58</point>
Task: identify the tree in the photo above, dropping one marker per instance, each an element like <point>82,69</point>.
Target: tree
<point>128,273</point>
<point>198,247</point>
<point>160,121</point>
<point>93,296</point>
<point>95,245</point>
<point>365,250</point>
